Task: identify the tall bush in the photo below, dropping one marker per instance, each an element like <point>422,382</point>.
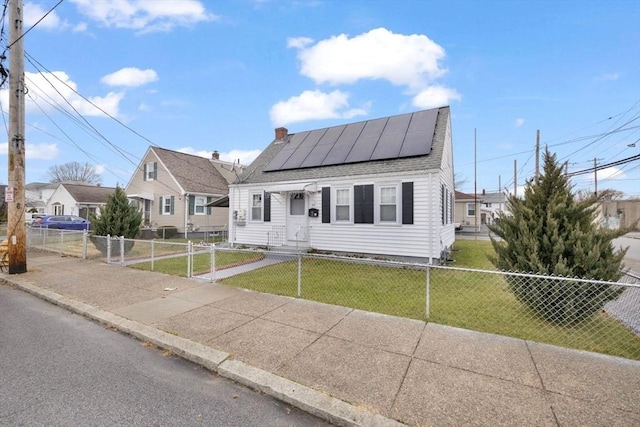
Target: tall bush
<point>551,232</point>
<point>117,218</point>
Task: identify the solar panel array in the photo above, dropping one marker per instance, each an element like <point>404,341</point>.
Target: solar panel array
<point>405,135</point>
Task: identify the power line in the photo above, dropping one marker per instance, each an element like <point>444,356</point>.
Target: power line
<point>34,25</point>
<point>604,166</point>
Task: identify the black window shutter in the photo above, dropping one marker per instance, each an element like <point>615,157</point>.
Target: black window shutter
<point>267,207</point>
<point>144,172</point>
<point>192,204</point>
<point>363,204</point>
<point>160,205</point>
<point>173,199</point>
<point>209,199</point>
<point>407,202</point>
<point>155,170</point>
<point>326,205</point>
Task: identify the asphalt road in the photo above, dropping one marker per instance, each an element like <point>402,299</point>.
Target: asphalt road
<point>58,368</point>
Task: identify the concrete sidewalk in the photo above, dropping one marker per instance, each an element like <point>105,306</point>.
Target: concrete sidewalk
<point>347,366</point>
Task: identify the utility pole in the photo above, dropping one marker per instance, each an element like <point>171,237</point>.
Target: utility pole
<point>14,196</point>
<point>537,154</point>
<point>515,178</point>
<point>595,174</point>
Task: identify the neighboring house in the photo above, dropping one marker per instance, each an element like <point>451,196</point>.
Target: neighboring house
<point>492,205</point>
<point>77,199</point>
<point>174,189</point>
<point>466,210</point>
<point>37,195</point>
<point>382,186</point>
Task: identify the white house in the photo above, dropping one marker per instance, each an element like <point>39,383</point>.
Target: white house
<point>382,186</point>
<point>77,199</point>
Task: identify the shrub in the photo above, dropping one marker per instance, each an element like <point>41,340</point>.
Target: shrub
<point>167,232</point>
<point>549,232</point>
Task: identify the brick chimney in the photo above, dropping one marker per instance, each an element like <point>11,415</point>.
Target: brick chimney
<point>215,155</point>
<point>281,133</point>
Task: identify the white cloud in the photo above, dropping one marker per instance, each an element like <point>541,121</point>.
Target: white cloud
<point>404,60</point>
<point>313,105</point>
<point>42,151</point>
<point>435,96</point>
<point>33,12</point>
<point>35,151</point>
<point>47,90</point>
<point>131,77</point>
<point>245,156</point>
<point>611,173</point>
<point>609,76</point>
<point>100,169</point>
<point>519,122</point>
<point>145,16</point>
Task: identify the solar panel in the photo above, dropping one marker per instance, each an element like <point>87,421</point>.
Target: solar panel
<point>392,137</point>
<point>366,143</point>
<point>419,135</point>
<point>340,150</point>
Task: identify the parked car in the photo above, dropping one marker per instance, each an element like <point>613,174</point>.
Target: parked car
<point>64,222</point>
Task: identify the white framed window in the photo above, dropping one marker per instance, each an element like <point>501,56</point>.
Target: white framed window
<point>200,205</point>
<point>58,209</point>
<point>256,207</point>
<point>343,204</point>
<point>150,171</point>
<point>471,209</point>
<point>167,205</point>
<point>388,206</point>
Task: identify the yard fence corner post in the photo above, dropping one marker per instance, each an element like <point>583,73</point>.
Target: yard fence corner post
<point>85,235</point>
<point>428,292</point>
<point>212,276</point>
<point>299,274</point>
<point>121,251</point>
<point>153,241</point>
<point>108,249</point>
<point>189,259</point>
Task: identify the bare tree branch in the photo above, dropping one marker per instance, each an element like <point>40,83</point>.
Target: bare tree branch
<point>74,171</point>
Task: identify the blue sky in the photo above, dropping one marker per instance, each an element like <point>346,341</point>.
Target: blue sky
<point>198,76</point>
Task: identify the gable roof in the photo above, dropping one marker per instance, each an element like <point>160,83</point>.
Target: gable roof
<point>194,174</point>
<point>464,196</point>
<point>83,193</point>
<point>377,151</point>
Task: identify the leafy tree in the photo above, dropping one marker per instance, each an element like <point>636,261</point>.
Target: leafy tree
<point>75,172</point>
<point>551,232</point>
<point>117,218</point>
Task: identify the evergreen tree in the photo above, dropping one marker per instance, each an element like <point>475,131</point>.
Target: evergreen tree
<point>550,232</point>
<point>117,218</point>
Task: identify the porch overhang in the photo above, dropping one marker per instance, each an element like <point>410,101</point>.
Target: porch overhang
<point>222,202</point>
<point>144,196</point>
<point>292,187</point>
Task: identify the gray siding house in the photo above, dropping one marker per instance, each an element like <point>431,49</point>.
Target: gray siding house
<point>378,187</point>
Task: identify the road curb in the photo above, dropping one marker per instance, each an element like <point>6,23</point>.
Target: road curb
<point>309,400</point>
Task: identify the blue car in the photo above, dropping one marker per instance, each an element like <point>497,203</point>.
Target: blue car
<point>63,222</point>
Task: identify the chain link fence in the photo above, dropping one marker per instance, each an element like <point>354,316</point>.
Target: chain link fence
<point>570,312</point>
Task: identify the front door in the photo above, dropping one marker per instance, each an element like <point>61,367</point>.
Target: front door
<point>297,227</point>
<point>147,211</point>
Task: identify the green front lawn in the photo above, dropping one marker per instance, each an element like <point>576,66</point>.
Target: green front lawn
<point>479,301</point>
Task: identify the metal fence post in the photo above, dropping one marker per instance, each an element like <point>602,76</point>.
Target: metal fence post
<point>121,251</point>
<point>428,292</point>
<point>213,263</point>
<point>108,249</point>
<point>299,274</point>
<point>61,242</point>
<point>189,259</point>
<point>84,244</point>
<point>153,241</point>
